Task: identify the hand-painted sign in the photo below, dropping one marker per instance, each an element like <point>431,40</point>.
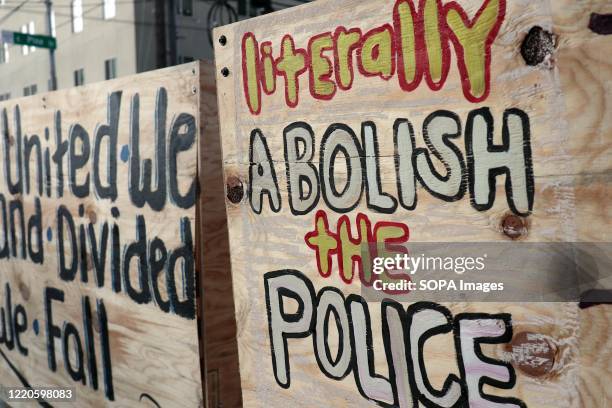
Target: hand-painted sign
<point>97,234</point>
<point>413,45</point>
<point>355,128</point>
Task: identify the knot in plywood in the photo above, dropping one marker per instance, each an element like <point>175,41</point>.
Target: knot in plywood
<point>538,46</point>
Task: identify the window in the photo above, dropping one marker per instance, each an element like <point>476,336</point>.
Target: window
<point>5,96</point>
<point>53,24</point>
<point>110,9</point>
<point>79,77</point>
<point>25,50</point>
<point>4,53</point>
<point>28,29</point>
<point>30,90</point>
<point>31,30</point>
<point>77,16</point>
<point>183,59</point>
<point>110,68</point>
<point>185,7</point>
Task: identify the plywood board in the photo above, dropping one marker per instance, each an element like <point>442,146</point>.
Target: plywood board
<point>435,121</point>
<point>218,321</point>
<point>586,79</point>
<point>97,240</point>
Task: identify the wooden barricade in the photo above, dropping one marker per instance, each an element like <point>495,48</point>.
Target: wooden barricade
<point>346,123</point>
<point>107,241</point>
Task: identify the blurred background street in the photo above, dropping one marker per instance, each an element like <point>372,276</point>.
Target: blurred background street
<point>98,40</point>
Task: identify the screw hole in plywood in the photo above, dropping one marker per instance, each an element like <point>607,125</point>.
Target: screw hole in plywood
<point>601,23</point>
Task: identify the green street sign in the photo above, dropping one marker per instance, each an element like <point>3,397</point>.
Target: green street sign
<point>40,41</point>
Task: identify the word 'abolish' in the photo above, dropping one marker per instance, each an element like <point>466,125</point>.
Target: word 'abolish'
<point>342,190</point>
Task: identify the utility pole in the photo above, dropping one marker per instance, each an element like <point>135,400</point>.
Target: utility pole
<point>172,35</point>
<point>53,78</point>
<point>161,47</point>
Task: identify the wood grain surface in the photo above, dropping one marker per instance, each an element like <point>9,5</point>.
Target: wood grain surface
<point>544,62</point>
<point>117,322</point>
<point>218,323</point>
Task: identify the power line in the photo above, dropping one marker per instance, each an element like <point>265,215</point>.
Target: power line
<point>118,2</point>
<point>59,25</point>
<point>13,11</point>
<point>122,2</point>
<point>117,20</point>
<point>114,19</point>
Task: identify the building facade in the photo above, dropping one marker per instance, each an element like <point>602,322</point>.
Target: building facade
<point>103,39</point>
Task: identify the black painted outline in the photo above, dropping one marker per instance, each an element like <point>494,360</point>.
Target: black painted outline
<point>485,113</point>
<point>181,142</point>
<point>110,130</point>
<point>364,159</point>
<point>292,318</point>
<point>446,141</point>
<point>332,128</point>
<point>301,178</point>
<point>78,161</point>
<point>396,155</point>
<point>386,336</point>
<point>13,187</point>
<point>447,328</point>
<point>505,338</point>
<point>150,398</point>
<point>29,143</point>
<point>406,316</point>
<point>140,187</point>
<point>368,336</point>
<point>341,335</point>
<point>258,133</point>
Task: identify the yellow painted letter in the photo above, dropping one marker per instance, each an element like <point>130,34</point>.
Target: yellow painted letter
<point>472,42</point>
<point>376,53</point>
<point>346,41</point>
<point>250,61</point>
<point>321,87</point>
<point>269,76</point>
<point>291,65</point>
<point>404,17</point>
<point>436,46</point>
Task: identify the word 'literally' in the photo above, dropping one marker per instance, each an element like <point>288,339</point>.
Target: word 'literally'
<point>415,46</point>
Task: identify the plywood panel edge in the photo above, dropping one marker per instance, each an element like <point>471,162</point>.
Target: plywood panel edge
<point>218,331</point>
